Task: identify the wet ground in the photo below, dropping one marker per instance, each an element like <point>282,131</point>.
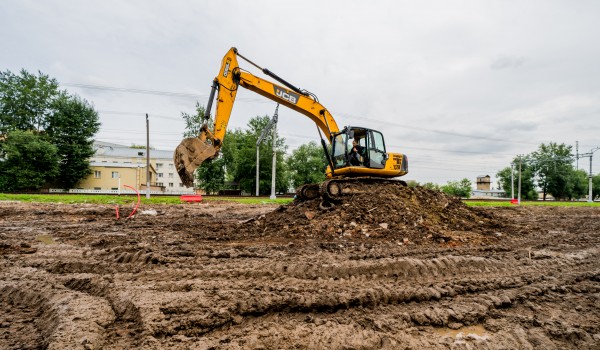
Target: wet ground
<point>420,271</point>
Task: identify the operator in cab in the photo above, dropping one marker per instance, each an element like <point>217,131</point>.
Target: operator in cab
<point>356,154</point>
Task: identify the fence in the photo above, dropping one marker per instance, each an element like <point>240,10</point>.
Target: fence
<point>91,191</point>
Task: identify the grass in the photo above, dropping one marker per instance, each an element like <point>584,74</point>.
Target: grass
<point>127,199</point>
<point>531,204</point>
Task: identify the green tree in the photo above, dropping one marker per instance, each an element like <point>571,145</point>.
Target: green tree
<point>553,164</point>
<point>241,162</point>
<point>71,127</point>
<point>577,184</point>
<point>210,175</point>
<point>31,102</point>
<point>26,100</point>
<point>27,162</point>
<point>462,188</point>
<point>193,122</point>
<point>307,164</point>
<point>595,186</point>
<point>528,190</point>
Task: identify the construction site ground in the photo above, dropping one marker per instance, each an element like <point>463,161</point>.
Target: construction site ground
<point>388,268</point>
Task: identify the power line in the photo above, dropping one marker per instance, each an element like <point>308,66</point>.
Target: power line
<point>347,115</point>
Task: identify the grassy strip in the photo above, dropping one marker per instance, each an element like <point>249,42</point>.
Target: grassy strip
<point>530,203</point>
<point>126,199</point>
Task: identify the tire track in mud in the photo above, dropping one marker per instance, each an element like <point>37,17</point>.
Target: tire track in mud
<point>447,288</point>
<point>173,293</point>
<point>63,318</point>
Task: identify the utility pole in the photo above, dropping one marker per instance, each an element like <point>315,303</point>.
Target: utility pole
<point>274,163</point>
<point>577,155</point>
<point>512,180</point>
<point>147,157</point>
<point>520,162</point>
<point>590,176</point>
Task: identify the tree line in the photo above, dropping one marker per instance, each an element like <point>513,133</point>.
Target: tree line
<point>46,134</point>
<point>549,169</point>
<point>237,161</point>
<point>46,140</point>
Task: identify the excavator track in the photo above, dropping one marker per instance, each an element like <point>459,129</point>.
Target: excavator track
<point>334,191</point>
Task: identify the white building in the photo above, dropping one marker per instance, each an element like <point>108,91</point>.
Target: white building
<point>161,160</point>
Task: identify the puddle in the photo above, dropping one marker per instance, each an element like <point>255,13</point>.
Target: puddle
<point>46,239</point>
<point>476,330</point>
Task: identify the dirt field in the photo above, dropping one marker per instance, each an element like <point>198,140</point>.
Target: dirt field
<point>403,269</point>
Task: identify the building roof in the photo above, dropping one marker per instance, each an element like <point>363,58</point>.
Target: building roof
<point>117,165</point>
<point>107,149</point>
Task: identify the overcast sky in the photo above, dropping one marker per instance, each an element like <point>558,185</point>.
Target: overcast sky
<point>461,87</point>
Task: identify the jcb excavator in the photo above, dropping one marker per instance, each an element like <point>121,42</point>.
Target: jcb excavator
<point>355,154</point>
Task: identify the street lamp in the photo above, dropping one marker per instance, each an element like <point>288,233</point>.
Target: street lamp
<point>590,194</point>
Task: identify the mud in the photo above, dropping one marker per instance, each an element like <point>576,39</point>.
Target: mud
<point>402,269</point>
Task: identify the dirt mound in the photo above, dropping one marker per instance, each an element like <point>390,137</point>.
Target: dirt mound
<point>390,211</point>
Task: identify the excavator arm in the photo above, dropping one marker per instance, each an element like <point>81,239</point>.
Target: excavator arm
<point>194,151</point>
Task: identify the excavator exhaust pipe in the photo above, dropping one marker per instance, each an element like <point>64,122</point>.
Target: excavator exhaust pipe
<point>188,156</point>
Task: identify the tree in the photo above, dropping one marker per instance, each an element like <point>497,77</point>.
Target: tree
<point>71,127</point>
<point>553,165</point>
<point>239,150</point>
<point>193,122</point>
<point>528,190</point>
<point>577,184</point>
<point>462,188</point>
<point>27,162</point>
<point>307,164</point>
<point>210,175</point>
<point>26,100</point>
<point>34,103</point>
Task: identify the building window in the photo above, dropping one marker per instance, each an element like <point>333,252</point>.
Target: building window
<point>160,184</point>
<point>180,184</point>
<point>141,154</point>
<point>97,174</point>
<point>159,174</point>
<point>159,165</point>
<point>115,188</point>
<point>115,174</point>
<point>170,165</point>
<point>97,188</point>
<point>170,175</point>
<point>170,184</point>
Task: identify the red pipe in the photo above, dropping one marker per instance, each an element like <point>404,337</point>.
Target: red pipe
<point>138,202</point>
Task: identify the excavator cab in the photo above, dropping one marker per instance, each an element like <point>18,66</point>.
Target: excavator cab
<point>358,147</point>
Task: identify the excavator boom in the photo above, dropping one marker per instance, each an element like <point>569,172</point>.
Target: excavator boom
<point>193,151</point>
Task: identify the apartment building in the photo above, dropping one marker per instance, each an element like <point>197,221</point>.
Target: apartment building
<point>115,165</point>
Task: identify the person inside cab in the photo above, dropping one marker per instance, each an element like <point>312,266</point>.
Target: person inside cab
<point>356,154</point>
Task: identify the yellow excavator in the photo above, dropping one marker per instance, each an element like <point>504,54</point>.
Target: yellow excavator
<point>354,154</point>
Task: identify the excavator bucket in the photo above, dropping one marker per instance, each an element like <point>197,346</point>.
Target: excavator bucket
<point>188,156</point>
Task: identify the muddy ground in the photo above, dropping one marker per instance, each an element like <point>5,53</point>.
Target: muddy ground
<point>405,269</point>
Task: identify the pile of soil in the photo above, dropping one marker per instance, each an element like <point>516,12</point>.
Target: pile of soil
<point>389,211</point>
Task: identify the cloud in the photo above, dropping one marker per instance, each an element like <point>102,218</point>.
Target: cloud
<point>438,78</point>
